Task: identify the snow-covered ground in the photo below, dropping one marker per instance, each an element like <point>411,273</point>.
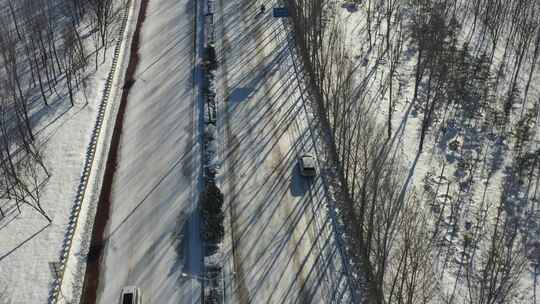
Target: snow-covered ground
<point>152,236</point>
<point>282,249</point>
<point>441,168</point>
<point>30,246</point>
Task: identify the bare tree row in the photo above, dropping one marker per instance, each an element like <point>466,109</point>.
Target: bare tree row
<point>397,245</point>
<point>44,59</point>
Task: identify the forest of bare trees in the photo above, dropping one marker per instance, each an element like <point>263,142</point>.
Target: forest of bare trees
<point>44,60</point>
<point>466,70</point>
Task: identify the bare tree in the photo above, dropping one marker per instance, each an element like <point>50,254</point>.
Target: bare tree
<point>8,52</point>
<point>495,277</point>
<point>102,13</point>
<point>411,275</point>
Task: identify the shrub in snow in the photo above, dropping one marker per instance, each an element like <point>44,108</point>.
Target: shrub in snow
<point>209,57</point>
<point>210,112</point>
<point>213,165</point>
<point>212,147</point>
<point>211,89</point>
<point>211,75</point>
<point>212,213</point>
<point>454,145</point>
<point>210,132</point>
<point>211,170</point>
<point>208,156</point>
<point>214,297</point>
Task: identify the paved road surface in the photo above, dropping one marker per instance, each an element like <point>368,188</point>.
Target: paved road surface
<point>283,250</point>
<point>152,235</point>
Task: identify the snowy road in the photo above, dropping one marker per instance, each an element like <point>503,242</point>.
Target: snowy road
<point>152,236</point>
<point>282,246</point>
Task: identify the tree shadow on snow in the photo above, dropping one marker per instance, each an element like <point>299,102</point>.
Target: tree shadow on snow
<point>184,252</point>
<point>3,256</point>
<point>240,94</point>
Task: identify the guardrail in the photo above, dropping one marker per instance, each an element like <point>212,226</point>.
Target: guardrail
<point>90,156</point>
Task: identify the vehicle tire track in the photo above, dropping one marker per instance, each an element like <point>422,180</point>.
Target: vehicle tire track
<point>231,143</point>
<point>344,259</point>
<point>297,261</point>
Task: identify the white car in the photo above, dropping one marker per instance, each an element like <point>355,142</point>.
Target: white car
<point>131,295</point>
<point>306,163</point>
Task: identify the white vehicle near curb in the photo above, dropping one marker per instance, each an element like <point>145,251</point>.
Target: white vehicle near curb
<point>131,295</point>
